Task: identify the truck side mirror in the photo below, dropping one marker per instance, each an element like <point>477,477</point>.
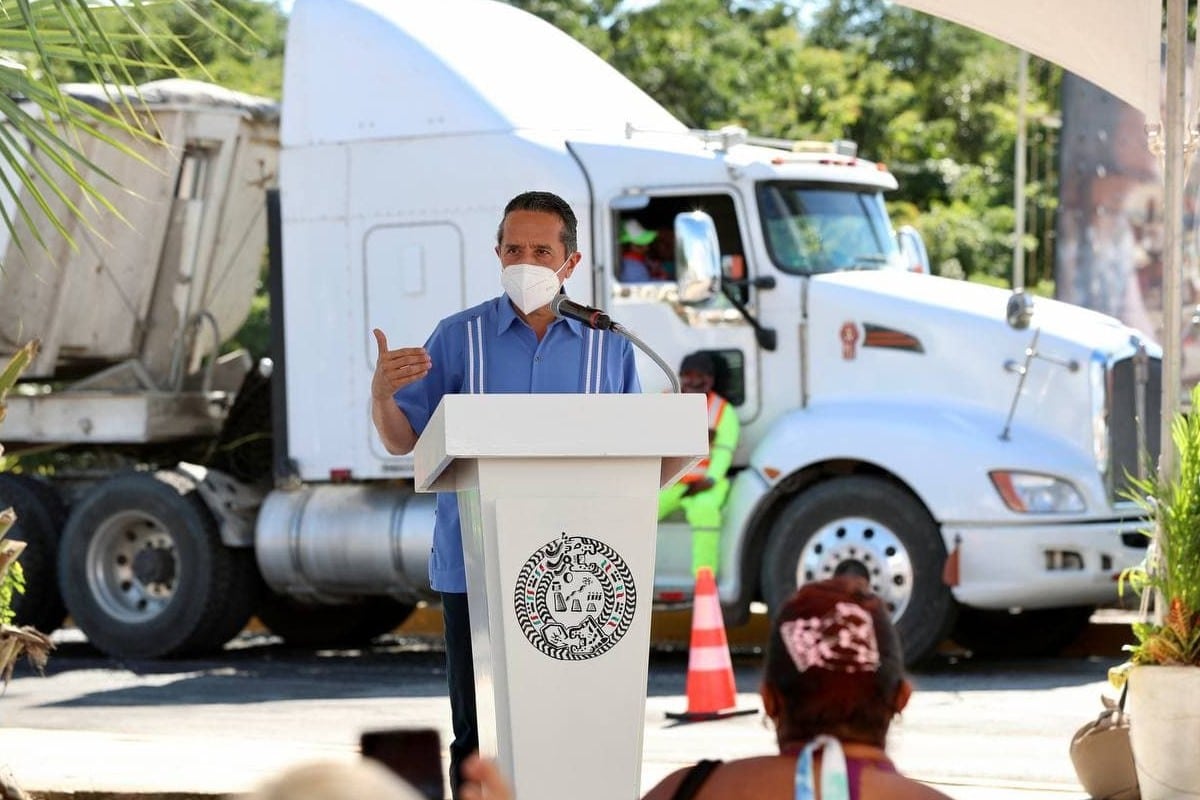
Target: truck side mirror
<point>1019,310</point>
<point>697,258</point>
<point>912,250</point>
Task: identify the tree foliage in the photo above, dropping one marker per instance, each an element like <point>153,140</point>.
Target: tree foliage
<point>235,43</point>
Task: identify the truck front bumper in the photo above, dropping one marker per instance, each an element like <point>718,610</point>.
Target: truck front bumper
<point>1043,566</point>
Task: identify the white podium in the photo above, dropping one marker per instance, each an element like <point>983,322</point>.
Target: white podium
<point>558,499</point>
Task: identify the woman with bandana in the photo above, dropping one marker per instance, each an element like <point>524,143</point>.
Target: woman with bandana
<point>833,681</point>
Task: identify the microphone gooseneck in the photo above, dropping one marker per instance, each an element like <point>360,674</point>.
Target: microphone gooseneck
<point>655,357</point>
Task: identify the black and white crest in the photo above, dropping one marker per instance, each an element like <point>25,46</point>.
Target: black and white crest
<point>574,598</point>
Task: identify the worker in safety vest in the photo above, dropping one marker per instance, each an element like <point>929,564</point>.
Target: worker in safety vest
<point>702,491</point>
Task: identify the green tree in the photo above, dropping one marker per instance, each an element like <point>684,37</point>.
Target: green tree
<point>954,142</point>
<point>237,44</point>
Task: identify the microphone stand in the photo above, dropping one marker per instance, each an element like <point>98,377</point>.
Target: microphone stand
<point>633,337</point>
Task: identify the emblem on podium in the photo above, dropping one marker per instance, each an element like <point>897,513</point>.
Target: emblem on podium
<point>574,598</point>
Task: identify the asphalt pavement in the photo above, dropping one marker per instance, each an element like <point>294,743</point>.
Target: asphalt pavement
<point>94,728</point>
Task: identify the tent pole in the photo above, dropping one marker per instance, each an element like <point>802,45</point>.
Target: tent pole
<point>1173,166</point>
<point>1018,267</point>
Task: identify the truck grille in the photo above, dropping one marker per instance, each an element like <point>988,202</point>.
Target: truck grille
<point>1125,398</point>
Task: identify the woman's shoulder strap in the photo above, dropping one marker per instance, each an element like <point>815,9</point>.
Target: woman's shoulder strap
<point>835,785</point>
<point>695,778</point>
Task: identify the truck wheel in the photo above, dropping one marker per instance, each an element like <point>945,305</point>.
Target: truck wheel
<point>1030,634</point>
<point>144,573</point>
<point>871,527</point>
<point>302,624</point>
<point>40,516</point>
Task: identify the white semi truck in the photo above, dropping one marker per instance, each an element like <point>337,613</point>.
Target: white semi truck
<point>965,449</point>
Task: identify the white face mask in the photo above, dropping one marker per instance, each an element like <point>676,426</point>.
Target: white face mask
<point>530,286</point>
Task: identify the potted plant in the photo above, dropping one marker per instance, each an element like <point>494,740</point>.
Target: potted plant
<point>1164,682</point>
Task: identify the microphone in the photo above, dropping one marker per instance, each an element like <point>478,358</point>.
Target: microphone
<point>592,317</point>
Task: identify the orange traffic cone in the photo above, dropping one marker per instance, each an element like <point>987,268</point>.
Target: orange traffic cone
<point>711,691</point>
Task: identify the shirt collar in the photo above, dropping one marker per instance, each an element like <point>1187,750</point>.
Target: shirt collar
<point>506,316</point>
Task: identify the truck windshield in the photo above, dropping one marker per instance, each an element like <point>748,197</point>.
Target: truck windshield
<point>811,228</point>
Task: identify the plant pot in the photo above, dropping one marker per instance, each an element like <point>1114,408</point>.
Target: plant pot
<point>1164,706</point>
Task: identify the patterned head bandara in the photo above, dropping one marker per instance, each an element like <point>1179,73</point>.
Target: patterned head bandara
<point>841,640</point>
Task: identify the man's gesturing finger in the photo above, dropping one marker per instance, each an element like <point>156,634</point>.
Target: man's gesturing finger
<point>397,368</point>
<point>381,340</point>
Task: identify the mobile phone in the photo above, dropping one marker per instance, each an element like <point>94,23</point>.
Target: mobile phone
<point>415,754</point>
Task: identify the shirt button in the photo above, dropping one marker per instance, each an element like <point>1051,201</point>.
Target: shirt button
<point>537,358</point>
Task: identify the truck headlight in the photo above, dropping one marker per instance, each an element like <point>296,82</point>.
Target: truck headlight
<point>1032,493</point>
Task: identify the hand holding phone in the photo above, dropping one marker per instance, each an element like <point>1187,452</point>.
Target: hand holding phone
<point>415,754</point>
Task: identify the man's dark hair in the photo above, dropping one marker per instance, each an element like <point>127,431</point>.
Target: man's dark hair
<point>699,362</point>
<point>549,203</point>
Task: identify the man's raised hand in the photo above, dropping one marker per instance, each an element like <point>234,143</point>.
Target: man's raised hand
<point>397,368</point>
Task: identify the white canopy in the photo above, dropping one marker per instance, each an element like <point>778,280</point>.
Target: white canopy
<point>1115,44</point>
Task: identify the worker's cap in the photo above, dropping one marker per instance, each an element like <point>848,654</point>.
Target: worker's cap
<point>632,232</point>
<point>698,362</point>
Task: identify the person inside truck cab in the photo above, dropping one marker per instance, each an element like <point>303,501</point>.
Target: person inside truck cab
<point>702,491</point>
<point>661,253</point>
<point>511,344</point>
<point>637,265</point>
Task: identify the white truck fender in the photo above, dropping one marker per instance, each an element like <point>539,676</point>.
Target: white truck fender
<point>910,441</point>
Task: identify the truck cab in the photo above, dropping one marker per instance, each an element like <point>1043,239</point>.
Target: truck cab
<point>893,423</point>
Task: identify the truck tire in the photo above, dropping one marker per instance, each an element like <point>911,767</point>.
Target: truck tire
<point>1031,634</point>
<point>40,517</point>
<point>302,624</point>
<point>870,526</point>
<point>144,573</point>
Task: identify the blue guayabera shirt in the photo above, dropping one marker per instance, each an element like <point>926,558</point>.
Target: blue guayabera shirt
<point>489,348</point>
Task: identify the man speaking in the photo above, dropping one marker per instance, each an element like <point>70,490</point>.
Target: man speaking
<point>512,344</point>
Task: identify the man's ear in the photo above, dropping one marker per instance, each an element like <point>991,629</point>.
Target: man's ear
<point>572,262</point>
<point>903,694</point>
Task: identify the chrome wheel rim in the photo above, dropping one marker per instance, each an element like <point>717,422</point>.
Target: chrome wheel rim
<point>870,544</point>
<point>132,567</point>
